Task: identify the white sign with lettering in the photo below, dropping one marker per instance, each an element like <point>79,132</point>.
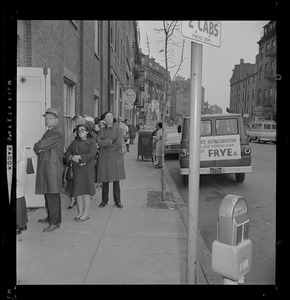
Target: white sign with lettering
<point>220,147</point>
<point>202,32</point>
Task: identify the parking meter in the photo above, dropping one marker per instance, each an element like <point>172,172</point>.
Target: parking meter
<point>233,221</point>
<point>232,251</point>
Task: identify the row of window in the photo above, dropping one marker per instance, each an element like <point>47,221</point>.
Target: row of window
<point>269,48</point>
<point>268,68</point>
<point>223,127</point>
<point>119,44</point>
<point>266,92</point>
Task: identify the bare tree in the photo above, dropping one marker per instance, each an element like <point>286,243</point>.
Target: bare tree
<point>169,43</point>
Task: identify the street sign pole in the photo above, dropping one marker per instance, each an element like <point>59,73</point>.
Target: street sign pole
<point>194,162</point>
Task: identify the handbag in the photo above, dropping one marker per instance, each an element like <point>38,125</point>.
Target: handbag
<point>64,161</point>
<point>29,166</point>
<point>69,173</point>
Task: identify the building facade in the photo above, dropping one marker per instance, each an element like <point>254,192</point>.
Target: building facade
<point>253,86</point>
<point>90,63</point>
<point>152,85</point>
<point>266,67</point>
<point>243,87</point>
<point>124,59</point>
<point>180,99</point>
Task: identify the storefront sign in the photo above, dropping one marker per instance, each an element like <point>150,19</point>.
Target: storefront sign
<point>130,96</point>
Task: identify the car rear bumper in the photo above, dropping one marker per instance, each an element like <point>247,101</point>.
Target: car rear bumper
<point>224,170</point>
<point>171,151</point>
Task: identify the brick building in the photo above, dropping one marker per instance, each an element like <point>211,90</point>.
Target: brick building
<point>243,88</point>
<point>124,59</point>
<point>152,84</point>
<point>266,67</point>
<point>253,86</point>
<point>89,63</point>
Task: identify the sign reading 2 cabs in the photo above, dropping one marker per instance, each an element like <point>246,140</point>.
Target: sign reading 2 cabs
<point>203,32</point>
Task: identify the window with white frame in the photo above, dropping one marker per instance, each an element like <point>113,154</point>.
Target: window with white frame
<point>68,107</point>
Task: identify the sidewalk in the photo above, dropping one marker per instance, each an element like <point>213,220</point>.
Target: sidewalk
<point>143,243</point>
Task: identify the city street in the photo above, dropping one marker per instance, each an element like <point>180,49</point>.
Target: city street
<point>259,190</point>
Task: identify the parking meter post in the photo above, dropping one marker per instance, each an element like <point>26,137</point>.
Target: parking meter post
<point>232,251</point>
<point>194,162</point>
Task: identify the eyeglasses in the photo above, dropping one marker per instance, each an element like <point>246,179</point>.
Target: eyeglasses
<point>81,130</point>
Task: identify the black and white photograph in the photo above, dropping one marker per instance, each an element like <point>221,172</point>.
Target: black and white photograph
<point>143,152</point>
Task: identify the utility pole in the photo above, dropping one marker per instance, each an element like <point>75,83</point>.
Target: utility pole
<point>194,164</point>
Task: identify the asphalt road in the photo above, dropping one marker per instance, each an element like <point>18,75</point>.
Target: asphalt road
<point>259,190</point>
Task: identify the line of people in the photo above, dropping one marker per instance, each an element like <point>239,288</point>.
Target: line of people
<point>95,152</point>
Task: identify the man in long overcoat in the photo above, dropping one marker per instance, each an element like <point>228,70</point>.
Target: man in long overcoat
<point>111,160</point>
<point>49,151</point>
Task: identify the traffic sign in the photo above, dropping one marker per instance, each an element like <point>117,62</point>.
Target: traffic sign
<point>202,32</point>
<point>130,96</point>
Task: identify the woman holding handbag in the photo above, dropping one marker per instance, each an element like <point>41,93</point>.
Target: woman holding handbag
<point>76,120</point>
<point>81,154</point>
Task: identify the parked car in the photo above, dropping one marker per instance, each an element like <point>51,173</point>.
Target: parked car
<point>262,131</point>
<point>172,142</point>
<point>224,146</point>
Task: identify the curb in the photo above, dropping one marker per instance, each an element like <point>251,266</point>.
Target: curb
<point>203,254</point>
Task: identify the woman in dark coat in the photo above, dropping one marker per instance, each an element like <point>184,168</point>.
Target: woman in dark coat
<point>81,153</point>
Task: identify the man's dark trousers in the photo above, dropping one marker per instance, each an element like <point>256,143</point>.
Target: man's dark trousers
<point>53,204</point>
<point>116,192</point>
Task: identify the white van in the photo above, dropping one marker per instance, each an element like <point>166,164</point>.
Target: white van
<point>262,131</point>
<point>224,146</point>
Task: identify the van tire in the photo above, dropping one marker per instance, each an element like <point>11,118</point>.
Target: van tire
<point>185,179</point>
<point>240,177</point>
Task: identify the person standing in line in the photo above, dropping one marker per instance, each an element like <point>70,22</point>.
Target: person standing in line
<point>91,124</point>
<point>154,145</point>
<point>124,131</point>
<point>21,211</point>
<point>49,151</point>
<point>81,153</point>
<point>127,135</point>
<point>158,143</point>
<point>132,132</point>
<point>76,120</point>
<point>111,160</point>
<point>100,125</point>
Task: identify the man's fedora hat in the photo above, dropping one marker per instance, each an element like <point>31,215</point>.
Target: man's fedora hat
<point>51,111</point>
